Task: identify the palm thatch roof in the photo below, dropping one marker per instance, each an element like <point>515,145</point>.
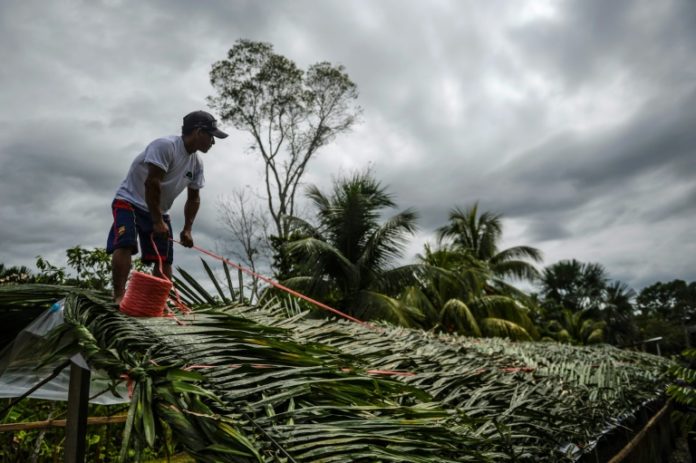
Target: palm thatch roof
<point>272,383</point>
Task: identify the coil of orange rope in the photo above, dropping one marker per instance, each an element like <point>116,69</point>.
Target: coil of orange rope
<point>147,295</point>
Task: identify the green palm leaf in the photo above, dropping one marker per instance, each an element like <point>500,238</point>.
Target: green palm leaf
<point>457,315</point>
<point>504,329</point>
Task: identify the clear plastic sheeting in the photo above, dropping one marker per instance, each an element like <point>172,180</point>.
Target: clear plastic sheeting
<point>22,365</point>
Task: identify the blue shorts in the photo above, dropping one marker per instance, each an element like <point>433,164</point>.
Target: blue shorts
<point>131,223</point>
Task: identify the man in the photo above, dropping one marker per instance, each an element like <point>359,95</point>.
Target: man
<point>156,177</point>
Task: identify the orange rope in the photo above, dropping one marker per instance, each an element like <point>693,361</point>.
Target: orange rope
<point>147,295</point>
<point>284,288</point>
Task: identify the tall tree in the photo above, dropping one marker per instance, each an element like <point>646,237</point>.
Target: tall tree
<point>347,258</point>
<point>290,114</point>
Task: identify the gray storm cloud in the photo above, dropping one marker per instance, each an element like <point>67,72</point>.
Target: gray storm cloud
<point>575,120</point>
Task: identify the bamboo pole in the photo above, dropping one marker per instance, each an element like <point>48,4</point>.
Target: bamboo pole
<point>92,420</point>
<point>621,456</point>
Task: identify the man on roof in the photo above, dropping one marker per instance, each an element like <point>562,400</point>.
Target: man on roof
<point>140,208</point>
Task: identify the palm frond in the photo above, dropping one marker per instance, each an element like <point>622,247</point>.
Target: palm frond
<point>504,329</point>
<point>373,305</point>
<point>456,316</point>
<point>314,250</point>
<point>387,242</point>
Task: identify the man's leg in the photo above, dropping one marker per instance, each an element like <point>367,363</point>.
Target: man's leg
<point>121,244</point>
<point>120,268</point>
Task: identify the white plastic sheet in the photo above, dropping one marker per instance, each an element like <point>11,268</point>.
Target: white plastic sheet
<point>21,369</point>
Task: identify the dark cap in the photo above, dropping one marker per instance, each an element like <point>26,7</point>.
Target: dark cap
<point>203,120</point>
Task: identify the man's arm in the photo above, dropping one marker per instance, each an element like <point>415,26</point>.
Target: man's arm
<point>153,189</point>
<point>193,201</point>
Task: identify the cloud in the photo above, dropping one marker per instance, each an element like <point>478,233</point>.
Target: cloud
<point>572,119</point>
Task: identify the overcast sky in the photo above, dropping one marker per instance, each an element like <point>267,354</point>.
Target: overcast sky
<point>576,120</point>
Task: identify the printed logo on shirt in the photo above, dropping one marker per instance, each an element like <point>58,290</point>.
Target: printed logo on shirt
<point>189,175</point>
<point>121,230</point>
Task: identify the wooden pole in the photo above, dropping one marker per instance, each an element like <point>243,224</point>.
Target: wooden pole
<point>625,452</point>
<point>78,399</point>
<point>241,285</point>
<point>91,421</point>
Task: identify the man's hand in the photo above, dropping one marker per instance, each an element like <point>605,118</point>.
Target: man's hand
<point>160,229</point>
<point>186,239</point>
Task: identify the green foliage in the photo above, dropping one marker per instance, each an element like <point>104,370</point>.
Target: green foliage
<point>576,328</point>
<point>498,327</point>
<point>14,275</point>
<point>683,390</point>
<point>465,285</point>
<point>672,333</point>
<point>456,317</point>
<point>92,267</point>
<point>103,441</point>
<point>479,234</point>
<point>49,273</point>
<point>574,285</point>
<point>346,259</point>
<point>87,268</point>
<point>674,300</point>
<point>233,379</point>
<point>580,304</point>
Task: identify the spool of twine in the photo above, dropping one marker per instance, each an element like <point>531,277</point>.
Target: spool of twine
<point>146,295</point>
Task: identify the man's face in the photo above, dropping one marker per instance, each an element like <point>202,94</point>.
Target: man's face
<point>205,140</point>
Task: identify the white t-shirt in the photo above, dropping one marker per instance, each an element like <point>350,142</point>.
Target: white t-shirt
<point>183,170</point>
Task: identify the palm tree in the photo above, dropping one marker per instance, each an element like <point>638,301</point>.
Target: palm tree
<point>579,327</point>
<point>479,235</point>
<point>574,285</point>
<point>466,286</point>
<point>347,258</point>
<point>618,312</point>
<point>580,294</point>
<point>455,297</point>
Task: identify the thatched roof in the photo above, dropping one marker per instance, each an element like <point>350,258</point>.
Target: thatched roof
<point>240,383</point>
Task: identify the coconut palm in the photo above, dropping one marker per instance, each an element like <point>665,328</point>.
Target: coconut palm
<point>479,234</point>
<point>470,293</point>
<point>347,257</point>
<point>455,297</point>
<point>576,327</point>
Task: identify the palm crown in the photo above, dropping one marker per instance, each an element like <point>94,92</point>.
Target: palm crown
<point>347,257</point>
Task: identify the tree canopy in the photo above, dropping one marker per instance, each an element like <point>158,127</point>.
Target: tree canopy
<point>289,112</point>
